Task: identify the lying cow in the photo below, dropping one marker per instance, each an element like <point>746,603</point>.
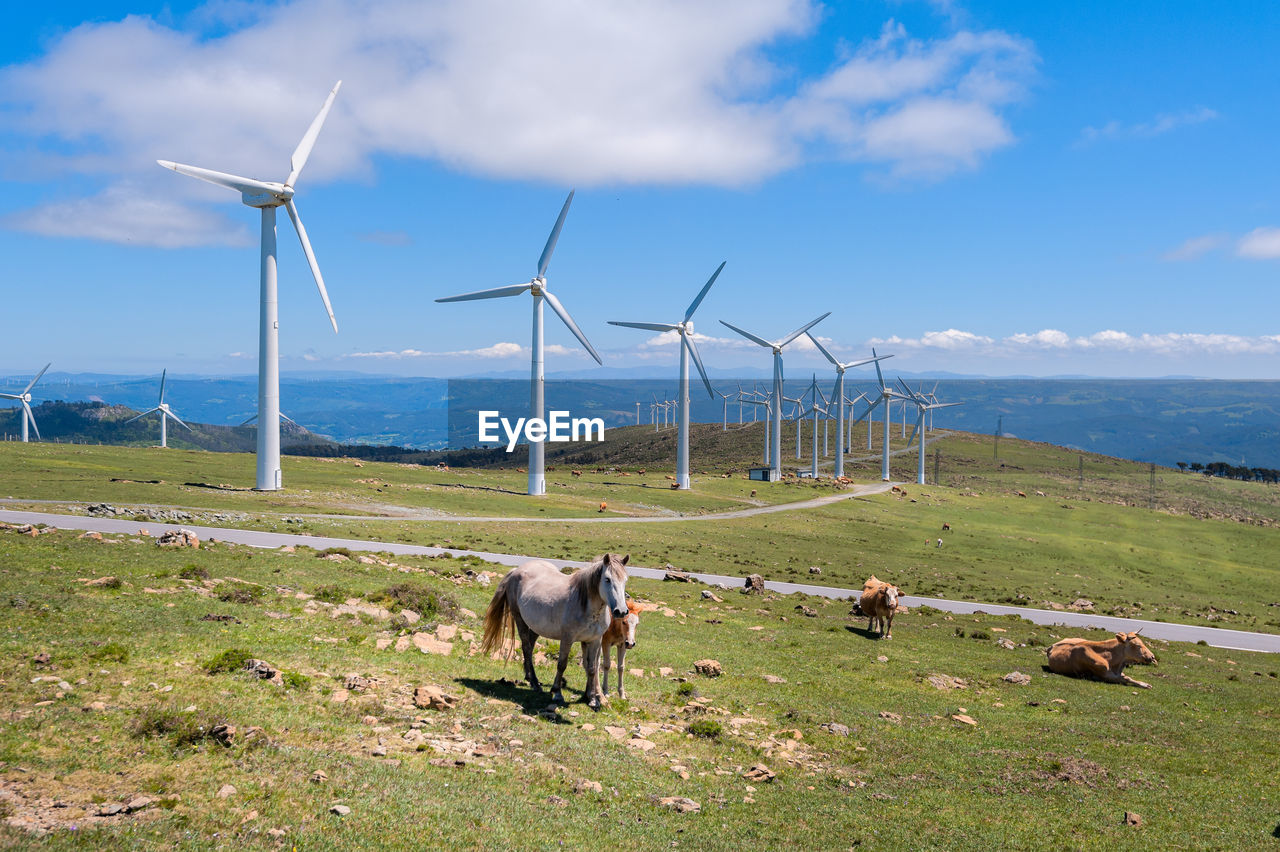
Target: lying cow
<point>622,633</point>
<point>1103,660</point>
<point>879,602</point>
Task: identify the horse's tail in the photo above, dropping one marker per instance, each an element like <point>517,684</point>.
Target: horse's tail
<point>498,621</point>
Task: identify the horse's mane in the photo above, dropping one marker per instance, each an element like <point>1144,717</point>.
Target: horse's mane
<point>584,584</point>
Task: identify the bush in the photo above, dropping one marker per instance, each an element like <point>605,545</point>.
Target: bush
<point>705,728</point>
<point>423,600</point>
<point>330,551</point>
<point>181,729</point>
<point>193,572</point>
<point>241,593</point>
<point>687,690</point>
<point>112,652</point>
<point>294,680</point>
<point>960,632</point>
<point>230,660</point>
<point>979,634</point>
<point>331,593</point>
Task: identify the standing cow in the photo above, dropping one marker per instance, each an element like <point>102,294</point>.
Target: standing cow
<point>878,603</point>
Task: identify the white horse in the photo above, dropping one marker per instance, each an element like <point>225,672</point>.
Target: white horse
<point>535,600</point>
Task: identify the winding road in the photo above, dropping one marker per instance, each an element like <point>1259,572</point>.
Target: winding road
<point>1236,640</point>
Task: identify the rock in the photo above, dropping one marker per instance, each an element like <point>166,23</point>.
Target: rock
<point>807,611</point>
<point>964,719</point>
<point>319,776</point>
<point>110,809</point>
<point>433,698</point>
<point>943,681</point>
<point>226,791</point>
<point>42,659</point>
<point>224,734</point>
<point>675,575</point>
<point>369,720</point>
<point>264,670</point>
<point>585,786</point>
<point>754,584</point>
<point>335,557</point>
<point>641,744</point>
<point>560,801</point>
<point>665,671</point>
<point>680,804</point>
<point>639,673</point>
<point>774,679</point>
<point>92,536</point>
<point>710,668</point>
<point>836,728</point>
<point>95,707</point>
<point>814,569</point>
<point>708,595</point>
<point>179,538</point>
<point>446,632</point>
<point>890,717</point>
<point>1019,678</point>
<point>616,732</point>
<point>428,644</point>
<point>340,696</point>
<point>1081,605</point>
<point>1130,818</point>
<point>139,803</point>
<point>104,581</point>
<point>340,810</point>
<point>356,683</point>
<point>466,613</point>
<point>410,617</point>
<point>1007,644</point>
<point>759,774</point>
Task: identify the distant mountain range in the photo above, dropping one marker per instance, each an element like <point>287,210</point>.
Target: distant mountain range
<point>1160,420</point>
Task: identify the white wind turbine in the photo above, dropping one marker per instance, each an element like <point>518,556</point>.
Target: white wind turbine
<point>923,408</point>
<point>684,328</point>
<point>165,413</point>
<point>883,398</point>
<point>267,196</point>
<point>839,397</point>
<point>24,398</point>
<point>775,454</point>
<point>537,286</point>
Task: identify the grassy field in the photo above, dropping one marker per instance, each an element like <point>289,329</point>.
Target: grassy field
<point>1053,764</point>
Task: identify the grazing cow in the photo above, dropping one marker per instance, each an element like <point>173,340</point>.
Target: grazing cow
<point>1103,660</point>
<point>879,602</point>
<point>622,633</point>
<point>939,542</point>
<point>946,527</point>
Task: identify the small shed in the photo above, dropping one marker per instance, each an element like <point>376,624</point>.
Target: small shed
<point>762,474</point>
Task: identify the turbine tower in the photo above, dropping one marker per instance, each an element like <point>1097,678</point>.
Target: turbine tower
<point>537,286</point>
<point>839,396</point>
<point>25,399</point>
<point>684,328</point>
<point>775,444</point>
<point>924,407</point>
<point>165,414</point>
<point>267,196</point>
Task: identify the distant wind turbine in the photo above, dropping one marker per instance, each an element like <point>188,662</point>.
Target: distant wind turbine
<point>839,396</point>
<point>923,408</point>
<point>165,413</point>
<point>24,398</point>
<point>267,196</point>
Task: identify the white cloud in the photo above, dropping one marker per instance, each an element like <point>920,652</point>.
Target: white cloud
<point>1108,340</point>
<point>1196,247</point>
<point>1157,126</point>
<point>1260,244</point>
<point>664,92</point>
<point>496,351</point>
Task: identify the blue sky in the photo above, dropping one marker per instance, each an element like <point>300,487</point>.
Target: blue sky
<point>997,188</point>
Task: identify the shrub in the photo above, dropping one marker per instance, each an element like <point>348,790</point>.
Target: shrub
<point>687,690</point>
<point>960,632</point>
<point>112,652</point>
<point>241,593</point>
<point>230,660</point>
<point>979,634</point>
<point>423,600</point>
<point>294,680</point>
<point>331,593</point>
<point>329,551</point>
<point>707,728</point>
<point>193,572</point>
<point>180,728</point>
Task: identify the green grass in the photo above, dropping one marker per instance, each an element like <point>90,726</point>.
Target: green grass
<point>1051,765</point>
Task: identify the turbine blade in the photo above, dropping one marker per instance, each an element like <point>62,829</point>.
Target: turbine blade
<point>140,416</point>
<point>32,383</point>
<point>868,360</point>
<point>568,320</point>
<point>163,374</point>
<point>748,335</point>
<point>693,306</point>
<point>27,410</point>
<point>550,247</point>
<point>495,293</point>
<point>648,326</point>
<point>697,360</point>
<point>915,429</point>
<point>288,419</point>
<point>239,184</point>
<point>799,331</point>
<point>824,351</point>
<point>250,420</point>
<point>180,423</point>
<point>876,361</point>
<point>303,151</point>
<point>311,261</point>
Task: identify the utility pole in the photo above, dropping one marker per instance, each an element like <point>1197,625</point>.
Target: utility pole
<point>1081,486</point>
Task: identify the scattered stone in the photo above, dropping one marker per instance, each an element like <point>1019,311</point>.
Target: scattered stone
<point>681,804</point>
<point>814,569</point>
<point>139,803</point>
<point>708,595</point>
<point>558,801</point>
<point>754,584</point>
<point>95,707</point>
<point>585,786</point>
<point>774,679</point>
<point>836,728</point>
<point>428,644</point>
<point>356,683</point>
<point>944,682</point>
<point>264,670</point>
<point>964,719</point>
<point>319,776</point>
<point>642,744</point>
<point>179,538</point>
<point>340,810</point>
<point>446,632</point>
<point>369,720</point>
<point>1130,818</point>
<point>224,734</point>
<point>226,791</point>
<point>410,617</point>
<point>882,659</point>
<point>1081,605</point>
<point>760,774</point>
<point>675,575</point>
<point>710,668</point>
<point>111,809</point>
<point>665,671</point>
<point>104,581</point>
<point>889,716</point>
<point>807,611</point>
<point>92,536</point>
<point>1007,644</point>
<point>433,698</point>
<point>1019,678</point>
<point>340,696</point>
<point>42,659</point>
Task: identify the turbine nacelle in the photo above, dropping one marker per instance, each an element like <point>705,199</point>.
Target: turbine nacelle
<point>274,198</point>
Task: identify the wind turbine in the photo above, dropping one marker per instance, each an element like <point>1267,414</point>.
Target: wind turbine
<point>684,328</point>
<point>768,407</point>
<point>923,407</point>
<point>165,414</point>
<point>775,458</point>
<point>839,396</point>
<point>538,287</point>
<point>25,399</point>
<point>267,196</point>
<point>883,398</point>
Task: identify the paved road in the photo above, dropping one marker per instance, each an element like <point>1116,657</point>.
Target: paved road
<point>1238,640</point>
<point>855,491</point>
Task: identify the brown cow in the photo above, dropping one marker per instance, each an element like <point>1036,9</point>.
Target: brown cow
<point>1103,660</point>
<point>622,633</point>
<point>879,602</point>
